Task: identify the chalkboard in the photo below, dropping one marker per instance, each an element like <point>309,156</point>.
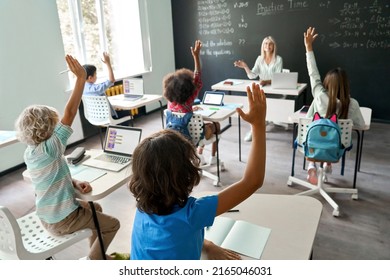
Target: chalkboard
<point>354,35</point>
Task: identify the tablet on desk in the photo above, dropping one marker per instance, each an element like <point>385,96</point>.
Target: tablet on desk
<point>214,98</point>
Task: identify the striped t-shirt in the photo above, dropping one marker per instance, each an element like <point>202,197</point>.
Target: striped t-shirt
<point>55,194</point>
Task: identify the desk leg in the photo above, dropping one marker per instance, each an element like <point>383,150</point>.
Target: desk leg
<point>360,150</point>
<point>227,126</point>
<point>217,144</point>
<point>99,234</point>
<point>357,159</point>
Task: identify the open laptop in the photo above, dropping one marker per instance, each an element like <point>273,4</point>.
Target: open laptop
<point>285,80</point>
<point>119,145</point>
<point>133,89</point>
<point>214,98</point>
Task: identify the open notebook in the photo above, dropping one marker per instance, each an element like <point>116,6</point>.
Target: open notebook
<point>119,145</point>
<point>240,236</point>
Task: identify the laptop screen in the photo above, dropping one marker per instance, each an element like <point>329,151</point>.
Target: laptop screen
<point>284,80</point>
<point>133,87</point>
<point>122,140</point>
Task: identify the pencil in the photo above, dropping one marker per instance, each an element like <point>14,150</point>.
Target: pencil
<point>65,71</point>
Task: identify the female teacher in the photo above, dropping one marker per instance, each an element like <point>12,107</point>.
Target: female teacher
<point>266,64</point>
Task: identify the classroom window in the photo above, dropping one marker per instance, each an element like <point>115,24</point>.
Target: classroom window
<point>119,27</point>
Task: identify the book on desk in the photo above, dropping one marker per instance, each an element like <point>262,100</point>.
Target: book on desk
<point>240,236</point>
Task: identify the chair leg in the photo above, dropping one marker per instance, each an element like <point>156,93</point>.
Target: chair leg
<point>360,149</point>
<point>323,190</point>
<point>216,181</point>
<point>325,195</point>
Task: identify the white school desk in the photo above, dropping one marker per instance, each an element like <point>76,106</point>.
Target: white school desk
<point>280,102</point>
<point>120,102</point>
<point>7,137</point>
<point>101,187</point>
<point>293,221</point>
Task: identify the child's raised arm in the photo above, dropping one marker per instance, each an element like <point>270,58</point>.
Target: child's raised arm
<point>107,60</point>
<point>195,51</point>
<point>309,36</point>
<point>255,170</point>
<point>73,103</point>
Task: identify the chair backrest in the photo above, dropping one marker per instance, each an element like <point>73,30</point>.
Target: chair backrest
<point>11,243</point>
<point>344,124</point>
<point>97,109</point>
<point>26,239</point>
<point>366,112</point>
<point>195,128</point>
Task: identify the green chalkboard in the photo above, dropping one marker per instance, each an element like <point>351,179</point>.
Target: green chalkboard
<point>354,35</point>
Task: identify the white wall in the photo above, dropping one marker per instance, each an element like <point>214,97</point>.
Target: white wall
<point>32,55</point>
<point>162,48</point>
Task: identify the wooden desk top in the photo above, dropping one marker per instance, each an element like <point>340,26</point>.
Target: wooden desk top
<point>240,85</point>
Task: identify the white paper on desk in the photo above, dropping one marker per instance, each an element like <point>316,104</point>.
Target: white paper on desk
<point>89,175</point>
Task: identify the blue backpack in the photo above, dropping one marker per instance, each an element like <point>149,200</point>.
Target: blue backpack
<point>179,123</point>
<point>323,140</point>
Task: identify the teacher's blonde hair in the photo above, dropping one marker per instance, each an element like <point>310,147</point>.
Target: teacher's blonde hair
<point>271,39</point>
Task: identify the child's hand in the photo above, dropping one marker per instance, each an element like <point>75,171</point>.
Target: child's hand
<point>83,187</point>
<point>106,58</point>
<point>196,108</point>
<point>257,106</point>
<point>240,64</point>
<point>309,37</point>
<point>196,49</point>
<point>76,67</point>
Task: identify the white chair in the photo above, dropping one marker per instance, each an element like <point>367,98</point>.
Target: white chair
<point>97,111</point>
<point>26,239</point>
<point>346,139</point>
<point>195,128</point>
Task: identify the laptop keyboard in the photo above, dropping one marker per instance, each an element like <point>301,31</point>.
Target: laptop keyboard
<point>113,158</point>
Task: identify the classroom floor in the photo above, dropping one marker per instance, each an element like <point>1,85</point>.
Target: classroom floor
<point>361,232</point>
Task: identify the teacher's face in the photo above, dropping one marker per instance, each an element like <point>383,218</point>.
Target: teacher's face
<point>268,46</point>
